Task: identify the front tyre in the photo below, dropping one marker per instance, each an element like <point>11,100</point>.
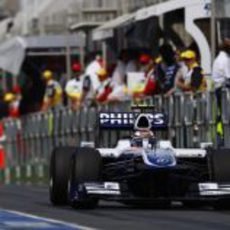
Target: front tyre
<point>86,166</point>
<point>59,174</point>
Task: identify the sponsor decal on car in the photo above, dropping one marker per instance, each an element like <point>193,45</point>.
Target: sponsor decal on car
<point>124,120</point>
<point>106,188</point>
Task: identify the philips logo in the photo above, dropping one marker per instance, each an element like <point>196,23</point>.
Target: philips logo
<point>116,118</point>
<point>122,120</point>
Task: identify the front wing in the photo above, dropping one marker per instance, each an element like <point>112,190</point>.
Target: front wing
<point>111,190</point>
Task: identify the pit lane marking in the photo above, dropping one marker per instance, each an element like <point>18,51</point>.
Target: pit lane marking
<point>18,220</point>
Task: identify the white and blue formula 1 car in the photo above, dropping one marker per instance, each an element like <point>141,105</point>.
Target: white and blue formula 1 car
<point>141,170</point>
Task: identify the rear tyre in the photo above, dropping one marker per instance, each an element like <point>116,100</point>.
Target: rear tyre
<point>220,170</point>
<point>86,166</point>
<point>59,174</point>
<point>220,173</point>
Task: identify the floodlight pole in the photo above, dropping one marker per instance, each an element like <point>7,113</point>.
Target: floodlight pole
<point>68,52</point>
<point>213,29</point>
<point>24,7</point>
<point>68,57</point>
<point>104,53</point>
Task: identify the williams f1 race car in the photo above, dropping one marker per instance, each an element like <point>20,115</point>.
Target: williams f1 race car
<point>141,170</point>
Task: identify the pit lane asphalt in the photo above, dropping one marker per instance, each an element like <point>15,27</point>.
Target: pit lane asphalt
<point>111,215</point>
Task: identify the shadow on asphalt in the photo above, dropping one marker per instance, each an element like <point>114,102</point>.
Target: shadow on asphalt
<point>111,206</point>
<point>106,206</point>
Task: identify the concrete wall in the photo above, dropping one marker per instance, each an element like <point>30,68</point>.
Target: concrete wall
<point>54,16</point>
<point>132,5</point>
<point>12,6</point>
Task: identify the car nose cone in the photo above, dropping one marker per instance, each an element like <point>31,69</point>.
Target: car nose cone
<point>161,157</point>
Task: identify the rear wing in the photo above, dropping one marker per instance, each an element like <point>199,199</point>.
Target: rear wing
<point>126,120</point>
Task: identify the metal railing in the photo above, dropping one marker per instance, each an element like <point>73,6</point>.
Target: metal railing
<point>30,140</point>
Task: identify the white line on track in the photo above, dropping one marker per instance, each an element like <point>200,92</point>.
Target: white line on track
<point>50,220</point>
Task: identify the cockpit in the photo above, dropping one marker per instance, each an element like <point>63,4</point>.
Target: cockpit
<point>143,142</point>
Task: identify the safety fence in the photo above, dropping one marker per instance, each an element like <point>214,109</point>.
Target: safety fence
<point>29,141</point>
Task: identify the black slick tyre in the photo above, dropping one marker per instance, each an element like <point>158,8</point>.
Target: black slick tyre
<point>220,173</point>
<point>220,170</point>
<point>59,174</point>
<point>86,166</point>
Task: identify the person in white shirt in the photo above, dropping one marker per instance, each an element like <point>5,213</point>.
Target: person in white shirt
<point>221,65</point>
<point>221,69</point>
<point>221,78</point>
<point>91,81</point>
<point>73,87</point>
